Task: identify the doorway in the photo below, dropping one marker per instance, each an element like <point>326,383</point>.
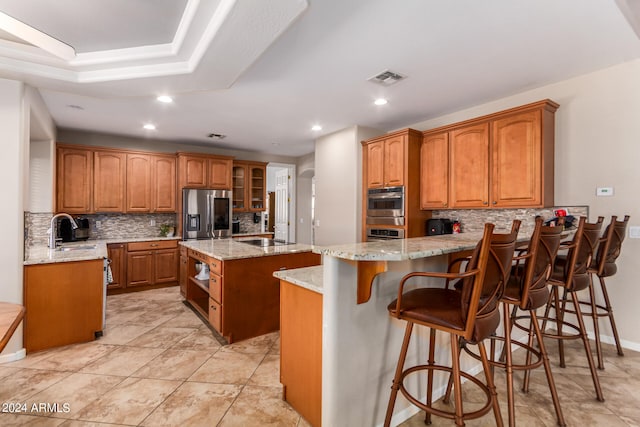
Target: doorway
<point>281,182</point>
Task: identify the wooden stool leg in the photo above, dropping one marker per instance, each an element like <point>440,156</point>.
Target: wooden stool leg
<point>594,316</point>
<point>488,373</point>
<point>587,348</point>
<point>431,362</point>
<point>528,357</point>
<point>605,294</point>
<point>547,369</point>
<point>397,379</point>
<point>559,319</point>
<point>457,384</point>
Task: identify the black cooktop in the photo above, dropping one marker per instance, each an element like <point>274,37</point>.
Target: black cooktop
<point>264,242</point>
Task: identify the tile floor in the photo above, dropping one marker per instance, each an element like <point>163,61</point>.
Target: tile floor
<point>159,365</point>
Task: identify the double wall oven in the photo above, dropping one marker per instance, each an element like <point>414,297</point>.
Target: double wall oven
<point>385,209</point>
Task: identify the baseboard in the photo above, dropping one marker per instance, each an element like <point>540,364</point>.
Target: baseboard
<point>607,339</point>
<point>12,357</point>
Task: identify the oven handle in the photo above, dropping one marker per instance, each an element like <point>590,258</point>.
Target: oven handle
<point>386,196</point>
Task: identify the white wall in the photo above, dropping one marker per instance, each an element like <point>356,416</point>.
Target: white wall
<point>306,172</point>
<point>597,144</point>
<point>13,121</point>
<point>338,173</point>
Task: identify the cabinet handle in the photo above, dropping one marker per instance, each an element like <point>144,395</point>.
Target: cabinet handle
<point>153,245</point>
<point>213,307</point>
<point>495,203</point>
<point>485,203</point>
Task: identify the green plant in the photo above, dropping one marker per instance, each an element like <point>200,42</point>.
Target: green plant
<point>164,229</point>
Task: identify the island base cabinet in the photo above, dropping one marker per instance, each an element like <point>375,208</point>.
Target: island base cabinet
<point>64,303</point>
<point>215,314</point>
<point>301,350</point>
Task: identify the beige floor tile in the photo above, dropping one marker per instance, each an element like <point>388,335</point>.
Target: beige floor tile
<point>194,404</point>
<point>173,365</point>
<point>122,361</point>
<point>185,319</point>
<point>228,367</point>
<point>161,337</point>
<point>257,345</point>
<point>260,406</point>
<point>129,402</point>
<point>74,393</point>
<point>201,339</point>
<point>75,357</point>
<point>122,334</point>
<point>268,373</point>
<point>11,420</point>
<point>6,370</point>
<point>26,382</point>
<point>32,359</point>
<point>77,423</point>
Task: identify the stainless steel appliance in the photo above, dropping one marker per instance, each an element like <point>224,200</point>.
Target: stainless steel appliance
<point>384,234</point>
<point>206,214</point>
<point>70,234</point>
<point>385,206</point>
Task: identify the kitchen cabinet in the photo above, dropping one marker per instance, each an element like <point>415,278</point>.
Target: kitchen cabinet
<point>64,303</point>
<point>204,171</point>
<point>152,263</point>
<point>249,186</point>
<point>434,172</point>
<point>117,255</point>
<point>502,160</point>
<point>219,175</point>
<point>74,180</point>
<point>386,162</point>
<point>109,175</point>
<point>151,183</point>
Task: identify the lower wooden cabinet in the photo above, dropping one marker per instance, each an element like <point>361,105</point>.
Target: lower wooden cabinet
<point>64,303</point>
<point>117,255</point>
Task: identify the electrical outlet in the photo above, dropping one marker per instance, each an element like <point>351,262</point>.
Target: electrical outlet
<point>604,191</point>
<point>634,232</point>
<point>98,224</point>
<point>152,222</point>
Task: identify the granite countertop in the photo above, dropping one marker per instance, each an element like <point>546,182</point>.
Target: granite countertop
<point>307,277</point>
<point>228,249</point>
<point>87,250</point>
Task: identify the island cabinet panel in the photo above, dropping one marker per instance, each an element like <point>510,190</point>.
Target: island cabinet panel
<point>64,303</point>
<point>434,176</point>
<point>184,265</point>
<point>470,166</point>
<point>74,180</point>
<point>301,350</point>
<point>139,183</point>
<point>109,177</point>
<point>118,264</point>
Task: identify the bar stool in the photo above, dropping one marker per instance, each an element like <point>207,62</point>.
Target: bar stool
<point>471,314</point>
<point>527,290</point>
<point>571,274</point>
<point>604,265</point>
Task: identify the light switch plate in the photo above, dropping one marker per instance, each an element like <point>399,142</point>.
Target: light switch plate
<point>604,191</point>
<point>634,232</point>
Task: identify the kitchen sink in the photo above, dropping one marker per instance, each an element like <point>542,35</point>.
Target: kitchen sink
<point>264,242</point>
<point>76,248</point>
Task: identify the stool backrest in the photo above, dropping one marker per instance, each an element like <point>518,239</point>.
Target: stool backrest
<point>480,297</point>
<point>580,254</point>
<point>542,251</point>
<point>610,246</point>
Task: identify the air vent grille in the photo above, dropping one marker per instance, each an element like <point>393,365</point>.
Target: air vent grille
<point>217,136</point>
<point>387,78</point>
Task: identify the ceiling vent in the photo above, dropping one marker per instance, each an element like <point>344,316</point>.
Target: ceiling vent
<point>216,136</point>
<point>387,78</point>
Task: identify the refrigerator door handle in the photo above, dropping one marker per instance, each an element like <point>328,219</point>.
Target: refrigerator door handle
<point>209,206</point>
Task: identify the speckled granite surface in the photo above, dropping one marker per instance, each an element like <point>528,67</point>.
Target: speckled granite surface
<point>84,251</point>
<point>227,249</point>
<point>307,277</point>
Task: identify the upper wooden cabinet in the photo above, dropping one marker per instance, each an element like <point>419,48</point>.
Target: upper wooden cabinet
<point>249,186</point>
<point>204,171</point>
<point>386,162</point>
<point>109,175</point>
<point>503,160</point>
<point>74,176</point>
<point>151,183</point>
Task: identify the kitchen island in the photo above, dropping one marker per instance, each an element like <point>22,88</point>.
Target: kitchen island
<point>240,298</point>
<point>360,341</point>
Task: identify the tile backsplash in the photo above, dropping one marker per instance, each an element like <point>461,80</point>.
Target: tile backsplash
<point>474,219</point>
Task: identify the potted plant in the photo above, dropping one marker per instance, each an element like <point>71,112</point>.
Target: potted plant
<point>165,229</point>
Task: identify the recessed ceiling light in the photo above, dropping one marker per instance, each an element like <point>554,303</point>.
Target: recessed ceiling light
<point>380,101</point>
<point>165,98</point>
<point>149,126</point>
<point>316,128</point>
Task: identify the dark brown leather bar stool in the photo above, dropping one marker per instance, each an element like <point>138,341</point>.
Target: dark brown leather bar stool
<point>527,290</point>
<point>471,314</point>
<point>604,265</point>
<point>571,274</point>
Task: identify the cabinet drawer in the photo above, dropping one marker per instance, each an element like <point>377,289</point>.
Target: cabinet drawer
<point>157,244</point>
<point>215,315</point>
<point>197,255</point>
<point>215,287</point>
<point>215,266</point>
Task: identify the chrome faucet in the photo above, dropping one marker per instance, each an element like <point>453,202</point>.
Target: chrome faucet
<point>53,231</point>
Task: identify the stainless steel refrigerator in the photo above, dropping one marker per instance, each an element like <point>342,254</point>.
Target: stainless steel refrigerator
<point>206,214</point>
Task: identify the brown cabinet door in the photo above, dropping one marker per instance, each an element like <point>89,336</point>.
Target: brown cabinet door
<point>139,268</point>
<point>108,181</point>
<point>164,183</point>
<point>258,188</point>
<point>193,171</point>
<point>184,271</point>
<point>74,180</point>
<point>394,161</point>
<point>220,174</point>
<point>240,187</point>
<point>469,163</point>
<point>116,254</point>
<point>165,266</point>
<point>375,164</point>
<point>434,172</point>
<point>139,183</point>
<point>517,161</point>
